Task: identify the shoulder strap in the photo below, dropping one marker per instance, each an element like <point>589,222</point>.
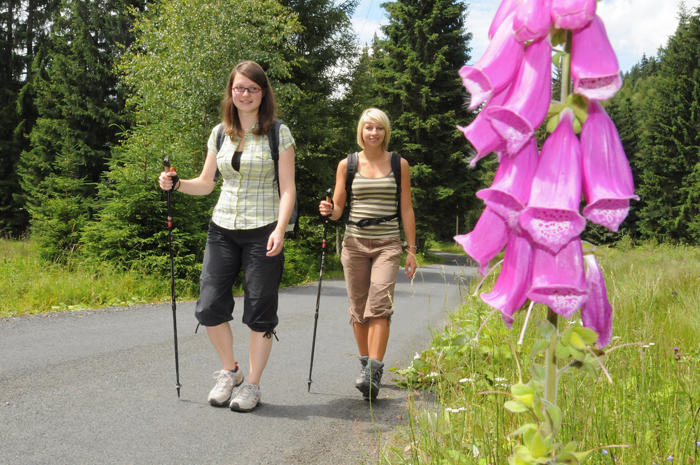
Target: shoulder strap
<point>273,138</point>
<point>396,168</point>
<point>220,137</point>
<point>349,177</point>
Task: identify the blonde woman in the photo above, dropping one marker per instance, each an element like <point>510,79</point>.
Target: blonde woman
<point>246,231</point>
<point>372,247</point>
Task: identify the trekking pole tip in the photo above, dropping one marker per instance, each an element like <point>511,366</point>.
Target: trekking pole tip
<point>178,386</point>
<point>308,388</point>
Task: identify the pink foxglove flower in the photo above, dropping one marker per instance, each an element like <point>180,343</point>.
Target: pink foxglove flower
<point>607,178</point>
<point>513,283</point>
<point>528,98</point>
<point>558,281</point>
<point>552,216</point>
<point>594,65</point>
<point>487,239</point>
<point>573,14</point>
<point>504,10</point>
<point>596,313</point>
<point>496,68</point>
<point>510,190</point>
<point>532,20</point>
<point>480,133</point>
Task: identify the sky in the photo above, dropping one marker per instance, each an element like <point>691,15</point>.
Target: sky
<point>635,27</point>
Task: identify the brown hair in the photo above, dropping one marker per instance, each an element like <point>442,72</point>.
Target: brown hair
<point>267,113</point>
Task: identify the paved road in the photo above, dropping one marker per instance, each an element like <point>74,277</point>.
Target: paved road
<point>97,387</point>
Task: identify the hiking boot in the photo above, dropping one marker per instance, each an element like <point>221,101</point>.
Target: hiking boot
<point>246,399</point>
<point>363,381</point>
<point>225,382</point>
<point>371,389</point>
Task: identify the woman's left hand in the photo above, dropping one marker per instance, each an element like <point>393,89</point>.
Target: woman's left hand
<point>275,243</point>
<point>411,264</point>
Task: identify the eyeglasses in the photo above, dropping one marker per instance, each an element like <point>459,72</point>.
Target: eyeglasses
<point>251,89</point>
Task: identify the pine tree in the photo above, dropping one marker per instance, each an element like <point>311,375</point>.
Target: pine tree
<point>80,113</point>
<point>416,68</point>
<point>668,156</point>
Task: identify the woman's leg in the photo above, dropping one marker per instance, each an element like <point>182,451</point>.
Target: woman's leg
<point>378,338</point>
<point>259,348</point>
<point>361,337</point>
<point>221,338</point>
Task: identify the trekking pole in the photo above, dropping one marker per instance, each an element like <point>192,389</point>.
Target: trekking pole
<point>175,179</point>
<point>320,280</point>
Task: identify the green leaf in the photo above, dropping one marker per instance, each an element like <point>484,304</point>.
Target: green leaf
<point>537,447</point>
<point>537,371</point>
<point>555,415</point>
<point>515,407</point>
<point>567,458</point>
<point>570,447</point>
<point>418,364</point>
<point>523,393</point>
<point>539,346</point>
<point>577,126</point>
<point>524,429</point>
<point>565,337</point>
<point>577,354</point>
<point>588,335</point>
<point>558,37</point>
<point>552,123</point>
<point>576,341</point>
<point>546,328</point>
<point>562,351</point>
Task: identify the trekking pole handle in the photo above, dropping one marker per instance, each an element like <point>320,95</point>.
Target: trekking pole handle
<point>329,198</point>
<point>168,168</point>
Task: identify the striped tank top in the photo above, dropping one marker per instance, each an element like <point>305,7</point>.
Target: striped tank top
<point>373,198</point>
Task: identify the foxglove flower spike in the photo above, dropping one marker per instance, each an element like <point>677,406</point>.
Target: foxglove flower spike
<point>607,178</point>
<point>558,280</point>
<point>552,216</point>
<point>573,14</point>
<point>496,68</point>
<point>487,239</point>
<point>528,98</point>
<point>480,133</point>
<point>510,291</point>
<point>504,10</point>
<point>596,313</point>
<point>594,66</point>
<point>532,20</point>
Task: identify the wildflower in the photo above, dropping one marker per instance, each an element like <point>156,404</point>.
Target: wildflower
<point>604,452</point>
<point>670,458</point>
<point>594,66</point>
<point>481,134</point>
<point>528,99</point>
<point>513,283</point>
<point>652,343</point>
<point>596,312</point>
<point>500,379</point>
<point>487,239</point>
<point>432,374</point>
<point>697,444</point>
<point>466,380</point>
<point>558,280</point>
<point>532,19</point>
<point>417,356</point>
<point>552,216</point>
<point>495,69</point>
<point>607,178</point>
<point>573,14</point>
<point>510,190</point>
<point>504,10</point>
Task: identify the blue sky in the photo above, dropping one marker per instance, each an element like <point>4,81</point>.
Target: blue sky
<point>634,27</point>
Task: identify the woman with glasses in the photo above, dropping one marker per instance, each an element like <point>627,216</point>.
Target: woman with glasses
<point>372,246</point>
<point>246,231</point>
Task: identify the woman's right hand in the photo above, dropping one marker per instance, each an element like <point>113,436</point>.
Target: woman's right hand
<point>165,180</point>
<point>325,208</point>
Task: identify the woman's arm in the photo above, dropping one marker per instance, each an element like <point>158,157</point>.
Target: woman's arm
<point>335,210</point>
<point>408,218</point>
<point>288,193</point>
<point>202,185</point>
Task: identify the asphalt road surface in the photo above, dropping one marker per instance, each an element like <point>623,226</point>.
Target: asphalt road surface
<point>98,386</point>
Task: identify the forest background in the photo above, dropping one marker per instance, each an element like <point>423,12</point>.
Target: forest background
<point>95,94</point>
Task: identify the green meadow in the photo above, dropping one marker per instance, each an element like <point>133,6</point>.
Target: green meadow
<point>652,404</point>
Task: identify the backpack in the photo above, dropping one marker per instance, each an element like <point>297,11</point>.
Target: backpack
<point>350,176</point>
<point>274,141</point>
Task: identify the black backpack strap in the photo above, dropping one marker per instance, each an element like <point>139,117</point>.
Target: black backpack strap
<point>349,177</point>
<point>396,168</point>
<point>219,142</point>
<point>273,138</point>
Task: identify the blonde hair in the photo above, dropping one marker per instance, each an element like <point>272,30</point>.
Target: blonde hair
<point>377,116</point>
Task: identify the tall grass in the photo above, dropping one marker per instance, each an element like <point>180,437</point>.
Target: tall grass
<point>652,405</point>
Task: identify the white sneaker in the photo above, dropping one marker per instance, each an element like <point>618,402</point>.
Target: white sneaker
<point>225,382</point>
<point>246,399</point>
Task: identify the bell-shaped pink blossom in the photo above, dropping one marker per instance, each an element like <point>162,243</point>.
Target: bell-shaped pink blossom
<point>504,10</point>
<point>532,20</point>
<point>596,313</point>
<point>594,66</point>
<point>552,216</point>
<point>487,239</point>
<point>607,178</point>
<point>528,98</point>
<point>513,283</point>
<point>573,14</point>
<point>480,133</point>
<point>496,68</point>
<point>558,281</point>
<point>510,191</point>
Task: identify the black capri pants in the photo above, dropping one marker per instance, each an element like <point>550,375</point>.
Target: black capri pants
<point>227,252</point>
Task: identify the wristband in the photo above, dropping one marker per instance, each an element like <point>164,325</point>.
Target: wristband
<point>412,247</point>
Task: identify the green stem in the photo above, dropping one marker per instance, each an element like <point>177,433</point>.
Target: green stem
<point>566,69</point>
